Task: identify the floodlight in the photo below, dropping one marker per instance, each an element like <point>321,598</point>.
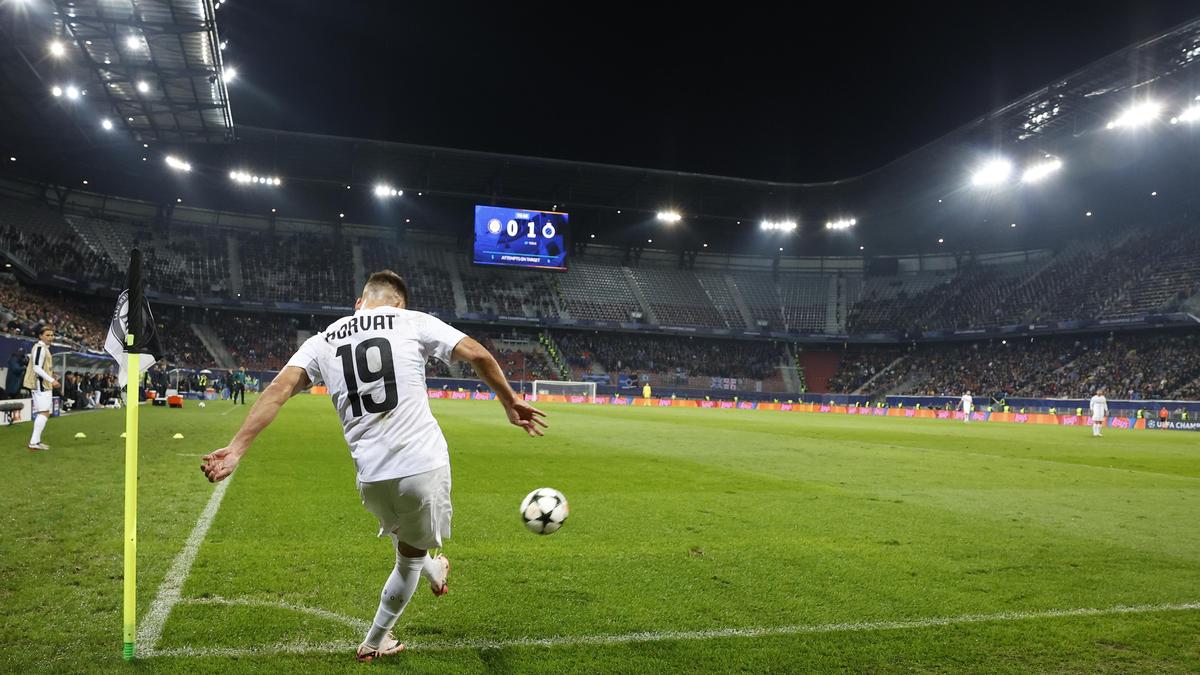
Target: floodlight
<point>56,91</point>
<point>669,216</point>
<point>57,49</point>
<point>841,224</point>
<point>133,42</point>
<point>992,172</point>
<point>72,92</point>
<point>230,74</point>
<point>778,225</point>
<point>1137,115</point>
<point>106,124</point>
<point>143,86</point>
<point>1189,115</point>
<point>1041,170</point>
<point>177,164</point>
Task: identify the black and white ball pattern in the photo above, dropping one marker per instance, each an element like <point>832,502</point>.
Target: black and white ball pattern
<point>544,510</point>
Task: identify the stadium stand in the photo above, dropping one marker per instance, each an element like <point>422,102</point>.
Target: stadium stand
<point>598,293</point>
<point>678,357</point>
<point>804,301</point>
<point>256,341</point>
<point>1085,280</point>
<point>897,302</point>
<point>423,267</point>
<point>717,287</point>
<point>515,293</point>
<point>296,267</point>
<point>1129,366</point>
<point>676,298</point>
<point>76,320</point>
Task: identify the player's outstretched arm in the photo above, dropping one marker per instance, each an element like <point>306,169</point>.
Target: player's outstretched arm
<point>519,412</point>
<point>290,381</point>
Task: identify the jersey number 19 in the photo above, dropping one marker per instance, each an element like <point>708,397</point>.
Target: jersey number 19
<point>386,372</point>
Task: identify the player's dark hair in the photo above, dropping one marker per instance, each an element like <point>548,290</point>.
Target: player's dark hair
<point>388,279</point>
<point>42,328</point>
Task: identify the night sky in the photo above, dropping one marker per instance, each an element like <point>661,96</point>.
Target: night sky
<point>804,92</point>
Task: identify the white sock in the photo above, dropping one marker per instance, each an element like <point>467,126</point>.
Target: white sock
<point>39,423</point>
<point>397,592</point>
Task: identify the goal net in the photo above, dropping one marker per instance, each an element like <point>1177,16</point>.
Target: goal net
<point>556,388</point>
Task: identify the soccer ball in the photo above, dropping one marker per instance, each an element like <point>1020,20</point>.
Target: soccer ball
<point>201,404</point>
<point>544,510</point>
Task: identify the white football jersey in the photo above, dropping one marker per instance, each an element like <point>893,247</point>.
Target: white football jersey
<point>1099,406</point>
<point>967,401</point>
<point>373,364</point>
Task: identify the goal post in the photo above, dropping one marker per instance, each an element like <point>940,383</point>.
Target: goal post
<point>559,388</point>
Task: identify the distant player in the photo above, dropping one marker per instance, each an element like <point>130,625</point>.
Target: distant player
<point>39,380</point>
<point>968,404</point>
<point>238,386</point>
<point>1099,406</point>
<point>373,364</point>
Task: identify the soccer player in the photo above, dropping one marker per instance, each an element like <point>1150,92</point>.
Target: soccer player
<point>238,385</point>
<point>374,366</point>
<point>1099,406</point>
<point>967,406</point>
<point>40,381</point>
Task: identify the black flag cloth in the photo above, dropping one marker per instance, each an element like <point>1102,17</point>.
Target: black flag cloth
<point>132,315</point>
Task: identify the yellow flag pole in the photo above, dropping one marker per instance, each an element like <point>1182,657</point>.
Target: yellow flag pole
<point>133,378</point>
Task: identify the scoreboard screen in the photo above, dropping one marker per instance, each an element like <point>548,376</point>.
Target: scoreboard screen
<point>520,238</point>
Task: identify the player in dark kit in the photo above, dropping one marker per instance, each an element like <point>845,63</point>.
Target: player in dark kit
<point>238,387</point>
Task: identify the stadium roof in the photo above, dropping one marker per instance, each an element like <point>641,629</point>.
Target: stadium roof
<point>899,206</point>
<point>1043,121</point>
<point>150,66</point>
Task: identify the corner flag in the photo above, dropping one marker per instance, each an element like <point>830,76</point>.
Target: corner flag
<point>132,328</point>
<point>130,336</point>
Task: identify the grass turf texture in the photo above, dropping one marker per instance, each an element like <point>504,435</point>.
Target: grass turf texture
<point>681,520</point>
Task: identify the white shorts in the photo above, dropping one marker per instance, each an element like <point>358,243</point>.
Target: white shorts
<point>1097,420</point>
<point>43,401</point>
<point>414,509</point>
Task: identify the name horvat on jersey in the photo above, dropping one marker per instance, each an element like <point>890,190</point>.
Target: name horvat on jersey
<point>357,324</point>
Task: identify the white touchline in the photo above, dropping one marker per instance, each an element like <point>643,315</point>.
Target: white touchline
<point>229,411</point>
<point>650,636</point>
<point>169,590</point>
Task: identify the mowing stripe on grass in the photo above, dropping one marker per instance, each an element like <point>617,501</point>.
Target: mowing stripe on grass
<point>181,567</point>
<point>649,636</point>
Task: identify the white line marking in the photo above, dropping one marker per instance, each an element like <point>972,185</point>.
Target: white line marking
<point>626,638</point>
<point>231,409</point>
<point>172,584</point>
<point>356,624</point>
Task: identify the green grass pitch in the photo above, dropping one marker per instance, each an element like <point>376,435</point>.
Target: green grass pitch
<point>686,526</point>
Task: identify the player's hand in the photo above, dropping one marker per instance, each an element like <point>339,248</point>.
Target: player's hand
<point>219,464</point>
<point>54,384</point>
<point>523,415</point>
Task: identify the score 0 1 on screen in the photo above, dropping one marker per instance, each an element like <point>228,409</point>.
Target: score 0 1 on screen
<point>520,238</point>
